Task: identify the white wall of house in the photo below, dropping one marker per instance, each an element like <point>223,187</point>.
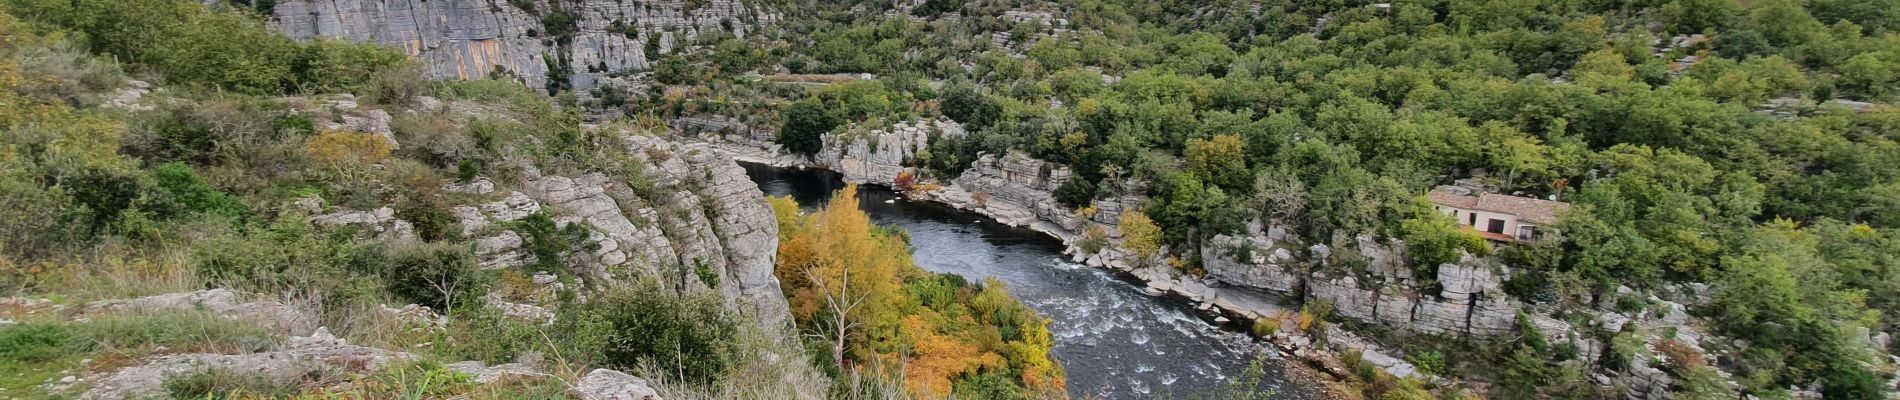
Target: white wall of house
<point>1463,216</point>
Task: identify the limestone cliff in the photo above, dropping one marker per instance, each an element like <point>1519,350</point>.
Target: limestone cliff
<point>469,39</point>
<point>688,216</point>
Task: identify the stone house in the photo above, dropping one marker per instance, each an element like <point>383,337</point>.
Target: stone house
<point>1501,218</point>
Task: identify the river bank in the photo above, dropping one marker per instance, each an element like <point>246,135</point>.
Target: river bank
<point>1017,191</point>
<point>1116,339</point>
<point>1261,276</point>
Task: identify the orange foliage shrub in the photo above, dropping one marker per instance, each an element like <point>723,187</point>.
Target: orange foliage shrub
<point>936,358</point>
<point>905,181</point>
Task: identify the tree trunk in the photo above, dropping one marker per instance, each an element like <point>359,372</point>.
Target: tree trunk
<point>837,349</point>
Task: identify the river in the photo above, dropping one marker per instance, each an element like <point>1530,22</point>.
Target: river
<point>1114,341</point>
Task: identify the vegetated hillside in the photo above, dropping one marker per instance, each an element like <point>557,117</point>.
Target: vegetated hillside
<point>317,219</point>
<point>1745,149</point>
<point>238,230</point>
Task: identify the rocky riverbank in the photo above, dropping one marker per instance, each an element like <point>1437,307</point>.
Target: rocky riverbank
<point>1256,275</point>
<point>1017,190</point>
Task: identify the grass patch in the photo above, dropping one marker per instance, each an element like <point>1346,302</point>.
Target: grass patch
<point>177,330</point>
<point>429,380</point>
<point>220,384</point>
<point>35,352</point>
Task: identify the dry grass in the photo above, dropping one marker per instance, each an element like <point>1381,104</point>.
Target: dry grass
<point>769,368</point>
<point>107,272</point>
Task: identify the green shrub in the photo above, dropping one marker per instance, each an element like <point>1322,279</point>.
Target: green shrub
<point>705,273</point>
<point>328,66</point>
<point>1429,362</point>
<point>38,342</point>
<point>805,124</point>
<point>431,274</point>
<point>433,222</point>
<point>100,197</point>
<point>484,90</point>
<point>1075,192</point>
<point>994,384</point>
<point>187,193</point>
<point>221,47</point>
<point>465,170</point>
<point>294,124</point>
<point>1434,239</point>
<point>692,336</point>
<point>548,242</point>
<point>286,254</point>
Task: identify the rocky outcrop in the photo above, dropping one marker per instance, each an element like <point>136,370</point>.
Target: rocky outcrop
<point>695,219</point>
<point>1018,190</point>
<point>323,359</point>
<point>607,384</point>
<point>1256,261</point>
<point>222,302</point>
<point>471,39</point>
<point>319,353</point>
<point>880,155</point>
<point>1469,299</point>
<point>380,223</point>
<point>480,373</point>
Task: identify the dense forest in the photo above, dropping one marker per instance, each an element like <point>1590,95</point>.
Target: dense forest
<point>1747,146</point>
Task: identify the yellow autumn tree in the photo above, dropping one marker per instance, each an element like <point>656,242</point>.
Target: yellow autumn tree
<point>841,276</point>
<point>1031,353</point>
<point>1140,235</point>
<point>853,289</point>
<point>785,210</point>
<point>1221,161</point>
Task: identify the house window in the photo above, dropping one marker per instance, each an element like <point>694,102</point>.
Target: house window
<point>1528,232</point>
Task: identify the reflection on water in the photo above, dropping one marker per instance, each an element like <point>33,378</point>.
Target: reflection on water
<point>1114,341</point>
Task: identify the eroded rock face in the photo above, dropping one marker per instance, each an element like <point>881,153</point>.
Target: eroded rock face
<point>879,155</point>
<point>743,243</point>
<point>470,39</point>
<point>1019,190</point>
<point>1265,265</point>
<point>1471,298</point>
<point>696,215</point>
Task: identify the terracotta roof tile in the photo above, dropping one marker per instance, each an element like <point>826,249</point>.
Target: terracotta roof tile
<point>1451,199</point>
<point>1532,210</point>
